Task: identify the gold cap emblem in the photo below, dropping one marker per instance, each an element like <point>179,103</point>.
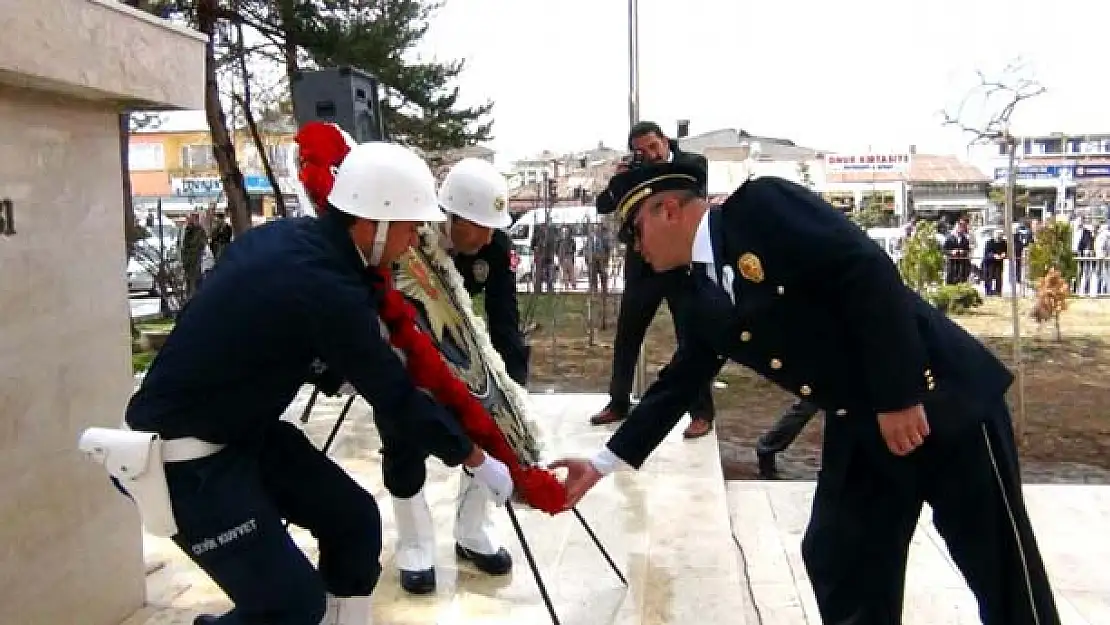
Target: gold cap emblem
<point>750,267</point>
<point>499,203</point>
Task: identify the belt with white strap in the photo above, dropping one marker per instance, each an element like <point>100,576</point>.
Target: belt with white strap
<point>184,449</point>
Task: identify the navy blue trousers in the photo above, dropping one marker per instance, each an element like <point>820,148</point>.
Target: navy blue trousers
<point>868,502</point>
<point>229,510</point>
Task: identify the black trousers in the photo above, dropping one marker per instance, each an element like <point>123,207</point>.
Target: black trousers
<point>229,509</point>
<point>644,291</point>
<point>867,505</point>
<point>403,463</point>
<point>992,277</point>
<point>787,429</point>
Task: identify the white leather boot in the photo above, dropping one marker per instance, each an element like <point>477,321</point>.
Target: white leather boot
<point>416,544</point>
<point>476,539</point>
<point>348,611</point>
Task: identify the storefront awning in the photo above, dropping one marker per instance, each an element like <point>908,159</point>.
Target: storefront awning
<point>953,204</point>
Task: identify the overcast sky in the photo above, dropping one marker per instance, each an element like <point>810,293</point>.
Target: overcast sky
<point>830,74</point>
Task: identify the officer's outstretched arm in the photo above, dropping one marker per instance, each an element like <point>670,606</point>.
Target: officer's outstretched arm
<point>346,331</point>
<point>829,255</point>
<point>692,367</point>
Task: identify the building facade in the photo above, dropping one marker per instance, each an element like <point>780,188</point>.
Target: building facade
<point>905,185</point>
<point>171,161</point>
<point>1058,172</point>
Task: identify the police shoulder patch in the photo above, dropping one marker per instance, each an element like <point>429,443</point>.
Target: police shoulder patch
<point>481,271</point>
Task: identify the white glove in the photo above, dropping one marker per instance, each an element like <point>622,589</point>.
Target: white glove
<point>494,475</point>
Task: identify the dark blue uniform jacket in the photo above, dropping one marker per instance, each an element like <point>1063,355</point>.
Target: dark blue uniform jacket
<point>821,311</point>
<point>281,296</point>
<point>489,271</point>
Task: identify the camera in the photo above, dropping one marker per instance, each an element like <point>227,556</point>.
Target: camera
<point>637,159</point>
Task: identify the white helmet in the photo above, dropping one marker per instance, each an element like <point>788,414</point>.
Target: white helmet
<point>477,192</point>
<point>385,182</point>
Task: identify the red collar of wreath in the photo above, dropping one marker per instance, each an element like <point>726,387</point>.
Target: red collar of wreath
<point>538,487</point>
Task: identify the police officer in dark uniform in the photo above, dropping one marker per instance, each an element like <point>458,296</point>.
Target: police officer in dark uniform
<point>282,295</point>
<point>489,271</point>
<point>787,286</point>
<point>645,289</point>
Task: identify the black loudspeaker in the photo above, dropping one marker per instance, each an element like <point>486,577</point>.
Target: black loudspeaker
<point>344,96</point>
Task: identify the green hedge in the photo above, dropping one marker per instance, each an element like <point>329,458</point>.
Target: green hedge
<point>955,298</point>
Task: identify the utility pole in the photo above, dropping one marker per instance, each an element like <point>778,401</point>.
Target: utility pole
<point>1011,240</point>
<point>639,382</point>
<point>633,62</point>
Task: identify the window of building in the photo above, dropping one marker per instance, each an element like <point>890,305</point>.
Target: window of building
<point>146,157</point>
<point>197,157</point>
<point>280,156</point>
<point>845,201</point>
<point>883,200</point>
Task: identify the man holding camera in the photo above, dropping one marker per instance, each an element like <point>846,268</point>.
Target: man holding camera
<point>645,289</point>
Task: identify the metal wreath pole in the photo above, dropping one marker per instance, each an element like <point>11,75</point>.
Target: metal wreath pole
<point>517,528</point>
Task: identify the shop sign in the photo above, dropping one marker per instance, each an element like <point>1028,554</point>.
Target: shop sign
<point>1092,171</point>
<point>212,185</point>
<point>893,162</point>
<point>1034,172</point>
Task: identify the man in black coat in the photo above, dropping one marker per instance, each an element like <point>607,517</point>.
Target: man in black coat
<point>994,255</point>
<point>784,284</point>
<point>957,249</point>
<point>645,289</point>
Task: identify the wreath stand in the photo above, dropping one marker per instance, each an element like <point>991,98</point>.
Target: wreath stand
<point>307,413</point>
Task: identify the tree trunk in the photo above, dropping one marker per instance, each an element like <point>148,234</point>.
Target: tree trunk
<point>1056,322</point>
<point>279,200</point>
<point>222,147</point>
<point>287,9</point>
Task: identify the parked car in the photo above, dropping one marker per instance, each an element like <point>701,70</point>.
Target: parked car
<point>139,280</point>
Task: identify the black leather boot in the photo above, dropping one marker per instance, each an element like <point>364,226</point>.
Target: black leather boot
<point>499,563</point>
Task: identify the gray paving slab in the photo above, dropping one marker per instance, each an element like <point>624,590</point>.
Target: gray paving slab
<point>1072,524</point>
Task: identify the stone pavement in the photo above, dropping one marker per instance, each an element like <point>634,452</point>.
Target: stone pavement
<point>1071,523</point>
<point>646,520</point>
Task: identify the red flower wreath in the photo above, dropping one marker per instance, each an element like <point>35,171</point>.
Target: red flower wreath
<point>537,486</point>
<point>322,148</point>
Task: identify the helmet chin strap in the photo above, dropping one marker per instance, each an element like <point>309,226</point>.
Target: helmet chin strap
<point>379,243</point>
<point>445,232</point>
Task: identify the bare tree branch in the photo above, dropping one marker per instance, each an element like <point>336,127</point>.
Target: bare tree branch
<point>1011,87</point>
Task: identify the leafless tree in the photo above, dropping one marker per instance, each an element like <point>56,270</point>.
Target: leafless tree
<point>999,98</point>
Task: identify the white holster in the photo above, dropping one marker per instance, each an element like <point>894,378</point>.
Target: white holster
<point>416,540</point>
<point>137,460</point>
<point>473,527</point>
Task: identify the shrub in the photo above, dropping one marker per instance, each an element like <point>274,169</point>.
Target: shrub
<point>1051,249</point>
<point>922,261</point>
<point>954,298</point>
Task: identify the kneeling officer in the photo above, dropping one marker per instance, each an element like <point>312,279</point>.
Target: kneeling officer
<point>221,469</point>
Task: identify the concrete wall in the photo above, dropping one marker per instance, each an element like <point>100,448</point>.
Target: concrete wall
<point>70,547</point>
